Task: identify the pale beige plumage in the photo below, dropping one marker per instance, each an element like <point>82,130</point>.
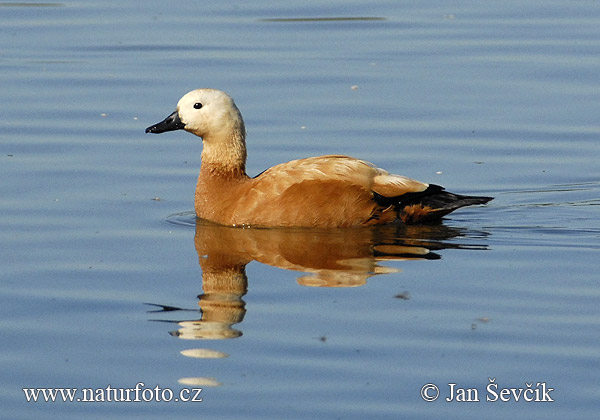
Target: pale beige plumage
<point>324,191</point>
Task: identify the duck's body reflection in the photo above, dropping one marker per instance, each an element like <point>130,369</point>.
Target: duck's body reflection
<point>330,257</point>
<point>333,257</point>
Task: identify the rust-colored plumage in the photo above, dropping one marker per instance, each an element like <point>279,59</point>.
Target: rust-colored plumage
<point>324,191</point>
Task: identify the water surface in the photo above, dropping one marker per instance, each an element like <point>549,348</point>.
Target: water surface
<point>106,282</point>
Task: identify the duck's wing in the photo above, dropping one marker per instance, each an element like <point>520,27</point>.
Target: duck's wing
<point>345,170</point>
<point>326,191</point>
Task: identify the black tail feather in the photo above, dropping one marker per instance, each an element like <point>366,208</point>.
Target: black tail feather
<point>429,205</point>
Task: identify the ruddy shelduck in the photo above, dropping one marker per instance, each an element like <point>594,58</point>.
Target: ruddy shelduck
<point>325,191</point>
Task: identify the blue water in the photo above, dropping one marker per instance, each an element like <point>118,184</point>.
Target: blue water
<point>107,279</point>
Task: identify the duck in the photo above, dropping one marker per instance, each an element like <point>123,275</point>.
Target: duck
<point>331,191</point>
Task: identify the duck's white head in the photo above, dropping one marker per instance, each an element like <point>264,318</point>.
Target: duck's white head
<point>205,113</point>
<point>212,115</point>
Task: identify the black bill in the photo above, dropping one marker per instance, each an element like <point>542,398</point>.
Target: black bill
<point>172,122</point>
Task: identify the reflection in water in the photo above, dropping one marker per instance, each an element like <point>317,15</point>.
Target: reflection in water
<point>328,257</point>
<point>204,354</point>
<point>202,381</point>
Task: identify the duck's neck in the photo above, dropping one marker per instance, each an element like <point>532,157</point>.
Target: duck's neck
<point>224,153</point>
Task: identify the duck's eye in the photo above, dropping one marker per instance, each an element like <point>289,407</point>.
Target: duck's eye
<point>197,105</point>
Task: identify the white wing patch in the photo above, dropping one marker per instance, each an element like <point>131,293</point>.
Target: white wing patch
<point>390,185</point>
